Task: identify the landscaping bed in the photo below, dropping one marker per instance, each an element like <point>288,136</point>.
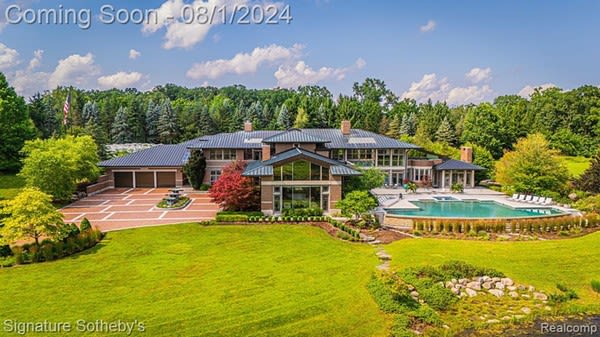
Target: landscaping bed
<point>181,203</point>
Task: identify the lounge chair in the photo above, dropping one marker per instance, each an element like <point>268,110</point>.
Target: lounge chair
<point>522,197</point>
<point>541,201</point>
<point>549,201</point>
<point>528,198</point>
<point>514,197</point>
<point>535,200</point>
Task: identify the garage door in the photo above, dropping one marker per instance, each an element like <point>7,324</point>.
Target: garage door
<point>124,179</point>
<point>144,179</point>
<point>165,179</point>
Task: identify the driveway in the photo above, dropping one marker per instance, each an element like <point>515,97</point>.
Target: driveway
<point>129,208</point>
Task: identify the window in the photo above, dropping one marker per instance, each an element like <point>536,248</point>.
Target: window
<point>360,154</point>
<point>214,176</point>
<point>252,154</point>
<point>296,197</point>
<point>222,154</point>
<point>383,158</point>
<point>337,154</point>
<point>300,170</point>
<point>397,158</point>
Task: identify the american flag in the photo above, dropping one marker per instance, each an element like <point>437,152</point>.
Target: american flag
<point>66,109</point>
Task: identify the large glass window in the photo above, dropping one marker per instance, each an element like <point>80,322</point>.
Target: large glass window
<point>337,154</point>
<point>360,154</point>
<point>300,170</point>
<point>297,197</point>
<point>383,158</point>
<point>397,158</point>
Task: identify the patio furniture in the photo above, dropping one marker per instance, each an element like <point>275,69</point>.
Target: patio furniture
<point>522,197</point>
<point>535,200</point>
<point>528,198</point>
<point>514,197</point>
<point>541,201</point>
<point>548,201</point>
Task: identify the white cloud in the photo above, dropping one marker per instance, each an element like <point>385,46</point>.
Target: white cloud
<point>430,87</point>
<point>74,70</point>
<point>529,89</point>
<point>301,74</point>
<point>36,61</point>
<point>243,63</point>
<point>120,80</point>
<point>182,34</point>
<point>133,54</point>
<point>8,57</point>
<point>477,75</point>
<point>429,27</point>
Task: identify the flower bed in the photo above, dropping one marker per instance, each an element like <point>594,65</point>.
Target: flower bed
<point>181,203</point>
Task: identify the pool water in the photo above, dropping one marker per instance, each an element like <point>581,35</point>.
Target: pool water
<point>470,209</point>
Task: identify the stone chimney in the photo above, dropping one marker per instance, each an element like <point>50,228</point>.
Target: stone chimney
<point>466,154</point>
<point>248,126</point>
<point>266,152</point>
<point>346,126</point>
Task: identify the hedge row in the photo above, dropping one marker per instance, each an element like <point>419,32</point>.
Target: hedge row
<point>273,219</point>
<point>354,234</point>
<point>543,225</point>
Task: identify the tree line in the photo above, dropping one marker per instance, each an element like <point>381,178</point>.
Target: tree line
<point>570,120</point>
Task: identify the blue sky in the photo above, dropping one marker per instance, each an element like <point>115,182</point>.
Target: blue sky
<point>458,51</point>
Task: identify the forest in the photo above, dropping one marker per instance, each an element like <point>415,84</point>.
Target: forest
<point>569,119</point>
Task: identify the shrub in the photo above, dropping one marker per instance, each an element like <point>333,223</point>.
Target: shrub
<point>427,315</point>
<point>457,188</point>
<point>303,212</point>
<point>566,294</point>
<point>248,213</point>
<point>232,218</point>
<point>596,286</point>
<point>437,296</point>
<point>48,251</point>
<point>7,261</point>
<point>5,251</point>
<point>85,225</point>
<point>204,187</point>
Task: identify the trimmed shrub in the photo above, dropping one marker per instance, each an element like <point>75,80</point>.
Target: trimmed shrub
<point>232,218</point>
<point>85,225</point>
<point>5,251</point>
<point>247,213</point>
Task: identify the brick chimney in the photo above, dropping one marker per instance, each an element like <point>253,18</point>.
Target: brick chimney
<point>346,126</point>
<point>248,126</point>
<point>266,152</point>
<point>466,154</point>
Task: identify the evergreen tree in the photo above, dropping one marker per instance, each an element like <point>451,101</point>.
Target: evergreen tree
<point>204,123</point>
<point>121,132</point>
<point>590,180</point>
<point>90,114</point>
<point>152,116</point>
<point>43,116</point>
<point>445,133</point>
<point>195,168</point>
<point>321,117</point>
<point>284,120</point>
<point>15,126</point>
<point>394,127</point>
<point>168,124</point>
<point>301,119</point>
<point>408,126</point>
<point>384,125</point>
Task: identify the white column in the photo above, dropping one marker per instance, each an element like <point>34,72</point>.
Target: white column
<point>473,178</point>
<point>443,179</point>
<point>465,178</point>
<point>451,178</point>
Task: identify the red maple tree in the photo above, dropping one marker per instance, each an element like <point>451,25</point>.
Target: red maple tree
<point>234,192</point>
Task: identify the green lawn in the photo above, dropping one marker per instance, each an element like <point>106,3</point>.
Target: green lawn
<point>10,185</point>
<point>573,262</point>
<point>576,165</point>
<point>187,280</point>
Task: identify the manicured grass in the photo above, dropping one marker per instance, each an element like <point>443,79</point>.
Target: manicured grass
<point>10,185</point>
<point>188,280</point>
<point>576,165</point>
<point>543,264</point>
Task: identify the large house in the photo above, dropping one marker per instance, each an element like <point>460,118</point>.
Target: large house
<point>296,168</point>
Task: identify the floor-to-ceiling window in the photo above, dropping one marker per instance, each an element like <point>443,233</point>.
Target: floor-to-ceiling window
<point>296,197</point>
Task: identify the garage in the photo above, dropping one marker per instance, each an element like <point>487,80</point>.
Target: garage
<point>124,179</point>
<point>165,179</point>
<point>144,179</point>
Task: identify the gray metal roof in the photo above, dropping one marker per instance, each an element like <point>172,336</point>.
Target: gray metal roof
<point>294,136</point>
<point>158,156</point>
<point>265,168</point>
<point>343,171</point>
<point>453,164</point>
<point>333,138</point>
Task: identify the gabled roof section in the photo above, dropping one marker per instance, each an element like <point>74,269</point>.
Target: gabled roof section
<point>295,136</point>
<point>158,156</point>
<point>257,169</point>
<point>453,164</point>
<point>344,171</point>
<point>235,140</point>
<point>298,152</point>
<point>358,139</point>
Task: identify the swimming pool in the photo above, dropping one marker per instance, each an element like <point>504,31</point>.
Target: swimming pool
<point>470,209</point>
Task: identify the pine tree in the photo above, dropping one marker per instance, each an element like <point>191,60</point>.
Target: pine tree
<point>168,124</point>
<point>204,123</point>
<point>284,120</point>
<point>445,133</point>
<point>90,114</point>
<point>301,119</point>
<point>408,126</point>
<point>321,117</point>
<point>384,125</point>
<point>394,127</point>
<point>152,116</point>
<point>15,126</point>
<point>195,168</point>
<point>43,116</point>
<point>121,132</point>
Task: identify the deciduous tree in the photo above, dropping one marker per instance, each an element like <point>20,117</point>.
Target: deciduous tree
<point>590,179</point>
<point>235,192</point>
<point>357,203</point>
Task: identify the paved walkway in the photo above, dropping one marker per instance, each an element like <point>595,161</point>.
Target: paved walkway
<point>129,208</point>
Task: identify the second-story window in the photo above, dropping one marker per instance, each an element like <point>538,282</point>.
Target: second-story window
<point>383,157</point>
<point>337,154</point>
<point>397,158</point>
<point>222,154</point>
<point>360,155</point>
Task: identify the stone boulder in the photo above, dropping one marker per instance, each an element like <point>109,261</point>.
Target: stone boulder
<point>496,292</point>
<point>507,282</point>
<point>487,285</point>
<point>540,296</point>
<point>471,292</point>
<point>499,285</point>
<point>474,285</point>
<point>513,294</point>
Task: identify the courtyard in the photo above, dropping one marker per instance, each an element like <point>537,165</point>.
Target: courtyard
<point>122,208</point>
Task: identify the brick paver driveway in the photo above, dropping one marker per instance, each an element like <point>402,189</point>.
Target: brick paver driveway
<point>128,208</point>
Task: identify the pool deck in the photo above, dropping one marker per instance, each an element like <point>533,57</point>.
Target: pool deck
<point>479,194</point>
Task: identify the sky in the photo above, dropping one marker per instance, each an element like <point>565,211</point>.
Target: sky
<point>455,51</point>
